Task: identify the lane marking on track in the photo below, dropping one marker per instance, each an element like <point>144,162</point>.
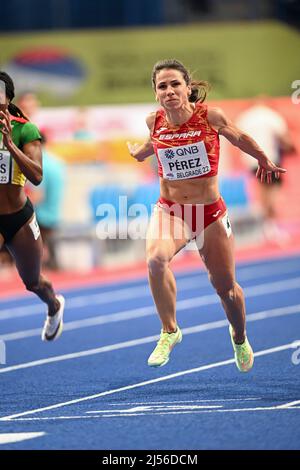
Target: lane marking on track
<point>129,415</point>
<point>265,314</point>
<point>117,295</point>
<point>152,408</point>
<point>10,438</point>
<point>264,352</point>
<point>156,407</point>
<point>141,312</point>
<point>290,404</point>
<point>186,401</point>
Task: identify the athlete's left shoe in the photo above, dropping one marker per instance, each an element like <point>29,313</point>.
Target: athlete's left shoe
<point>54,325</point>
<point>243,354</point>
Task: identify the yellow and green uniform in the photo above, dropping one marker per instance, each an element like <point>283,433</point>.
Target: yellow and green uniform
<point>23,132</point>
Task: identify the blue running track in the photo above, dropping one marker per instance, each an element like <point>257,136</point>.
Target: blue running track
<point>92,389</point>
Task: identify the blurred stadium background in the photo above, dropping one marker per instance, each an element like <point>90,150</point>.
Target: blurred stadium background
<point>89,63</point>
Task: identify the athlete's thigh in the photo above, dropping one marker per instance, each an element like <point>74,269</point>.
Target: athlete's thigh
<point>218,253</point>
<point>26,247</point>
<point>166,234</point>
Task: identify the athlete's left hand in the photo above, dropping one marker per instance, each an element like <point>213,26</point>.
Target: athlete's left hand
<point>265,170</point>
<point>5,127</point>
<point>134,150</point>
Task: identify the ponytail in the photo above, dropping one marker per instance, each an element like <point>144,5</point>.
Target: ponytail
<point>17,112</point>
<point>200,90</point>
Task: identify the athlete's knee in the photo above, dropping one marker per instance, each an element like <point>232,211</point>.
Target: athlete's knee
<point>157,263</point>
<point>227,293</point>
<point>32,285</point>
<point>227,289</point>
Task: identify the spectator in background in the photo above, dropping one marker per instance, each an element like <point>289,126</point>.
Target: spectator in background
<point>29,103</point>
<point>47,199</point>
<point>270,131</point>
<point>81,127</point>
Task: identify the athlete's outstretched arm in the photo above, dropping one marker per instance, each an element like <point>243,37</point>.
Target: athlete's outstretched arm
<point>29,159</point>
<point>142,151</point>
<point>244,142</point>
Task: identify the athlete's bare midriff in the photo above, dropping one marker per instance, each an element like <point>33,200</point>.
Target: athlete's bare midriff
<point>191,191</point>
<point>12,198</point>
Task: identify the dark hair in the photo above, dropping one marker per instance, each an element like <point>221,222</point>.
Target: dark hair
<point>43,138</point>
<point>199,88</point>
<point>10,94</point>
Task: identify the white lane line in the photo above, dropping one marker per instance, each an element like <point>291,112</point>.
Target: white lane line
<point>222,410</point>
<point>184,401</point>
<point>251,271</point>
<point>290,404</point>
<point>188,283</point>
<point>129,415</point>
<point>146,382</point>
<point>88,352</point>
<point>138,409</point>
<point>100,299</point>
<point>10,438</point>
<point>195,410</point>
<point>233,410</point>
<point>265,314</point>
<point>210,299</point>
<point>88,322</point>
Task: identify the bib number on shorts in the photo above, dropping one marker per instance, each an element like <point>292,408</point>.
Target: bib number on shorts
<point>227,224</point>
<point>5,166</point>
<point>35,228</point>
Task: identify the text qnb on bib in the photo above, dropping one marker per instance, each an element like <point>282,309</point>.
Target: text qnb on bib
<point>185,161</point>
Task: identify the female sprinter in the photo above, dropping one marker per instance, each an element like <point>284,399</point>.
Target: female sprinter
<point>184,135</point>
<point>21,159</point>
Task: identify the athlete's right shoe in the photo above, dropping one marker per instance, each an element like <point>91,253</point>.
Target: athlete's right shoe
<point>243,354</point>
<point>165,344</point>
<point>54,325</point>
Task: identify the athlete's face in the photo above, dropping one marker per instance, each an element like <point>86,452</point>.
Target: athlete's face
<point>171,90</point>
<point>3,106</point>
<point>3,99</point>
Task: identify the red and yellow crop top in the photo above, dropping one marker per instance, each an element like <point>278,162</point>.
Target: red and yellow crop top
<point>188,151</point>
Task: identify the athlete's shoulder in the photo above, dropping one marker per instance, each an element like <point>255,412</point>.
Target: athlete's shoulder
<point>216,116</point>
<point>150,120</point>
<point>22,123</point>
<point>29,132</point>
<point>18,120</point>
<point>28,125</point>
<point>201,111</point>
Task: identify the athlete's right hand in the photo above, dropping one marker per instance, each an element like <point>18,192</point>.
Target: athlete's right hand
<point>133,150</point>
<point>6,129</point>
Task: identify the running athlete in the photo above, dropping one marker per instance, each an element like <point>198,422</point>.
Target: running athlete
<point>184,135</point>
<point>21,159</point>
